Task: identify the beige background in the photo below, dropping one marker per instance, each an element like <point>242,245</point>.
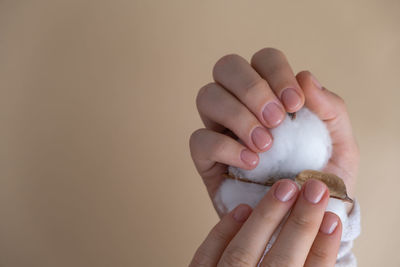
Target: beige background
<point>97,105</point>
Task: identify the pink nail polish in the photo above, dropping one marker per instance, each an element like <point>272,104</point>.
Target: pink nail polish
<point>249,157</point>
<point>285,191</point>
<point>291,99</point>
<point>273,114</point>
<point>329,223</point>
<point>314,191</point>
<point>261,138</point>
<point>241,213</point>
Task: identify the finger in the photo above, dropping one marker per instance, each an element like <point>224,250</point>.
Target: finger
<point>238,77</point>
<point>273,66</point>
<point>332,110</point>
<point>248,245</point>
<point>324,251</point>
<point>299,231</point>
<point>208,147</point>
<point>322,102</point>
<point>209,252</point>
<point>218,105</point>
<point>328,106</point>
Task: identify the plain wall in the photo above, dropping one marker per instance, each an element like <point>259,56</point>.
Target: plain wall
<point>98,102</point>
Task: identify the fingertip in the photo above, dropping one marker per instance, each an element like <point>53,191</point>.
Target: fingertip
<point>308,82</point>
<point>315,191</point>
<point>261,138</point>
<point>264,52</point>
<point>293,99</point>
<point>285,190</point>
<point>250,158</point>
<point>273,113</point>
<point>223,64</point>
<point>326,244</point>
<point>317,98</point>
<point>241,213</point>
<point>330,224</point>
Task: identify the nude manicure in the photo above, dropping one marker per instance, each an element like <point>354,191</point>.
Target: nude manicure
<point>285,191</point>
<point>273,114</point>
<point>314,191</point>
<point>249,157</point>
<point>241,213</point>
<point>261,138</point>
<point>291,99</point>
<point>329,223</point>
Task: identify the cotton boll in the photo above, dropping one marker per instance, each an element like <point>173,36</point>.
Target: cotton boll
<point>298,144</point>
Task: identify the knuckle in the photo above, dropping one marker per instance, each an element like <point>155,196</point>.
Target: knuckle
<point>301,222</point>
<point>218,149</point>
<point>251,91</point>
<point>265,214</point>
<point>239,112</point>
<point>194,137</point>
<point>319,254</point>
<point>277,260</point>
<point>201,258</point>
<point>219,234</point>
<point>223,62</point>
<point>202,94</point>
<point>267,52</point>
<point>270,51</point>
<point>236,257</point>
<point>241,122</point>
<point>304,74</point>
<point>304,77</point>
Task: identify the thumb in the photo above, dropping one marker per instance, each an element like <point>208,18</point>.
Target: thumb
<point>331,109</point>
<point>327,105</point>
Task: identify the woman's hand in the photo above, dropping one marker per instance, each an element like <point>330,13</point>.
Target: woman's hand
<point>309,236</point>
<point>246,100</point>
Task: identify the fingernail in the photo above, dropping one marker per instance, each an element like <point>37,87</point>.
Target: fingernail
<point>249,157</point>
<point>314,191</point>
<point>285,191</point>
<point>329,223</point>
<point>261,138</point>
<point>241,213</point>
<point>291,99</point>
<point>273,114</point>
<point>316,82</point>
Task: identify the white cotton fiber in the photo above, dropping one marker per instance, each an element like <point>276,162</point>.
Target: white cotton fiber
<point>233,192</point>
<point>298,144</point>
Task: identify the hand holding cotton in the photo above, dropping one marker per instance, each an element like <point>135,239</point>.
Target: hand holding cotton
<point>299,144</point>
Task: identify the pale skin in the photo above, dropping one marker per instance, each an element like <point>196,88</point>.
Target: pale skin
<point>245,100</point>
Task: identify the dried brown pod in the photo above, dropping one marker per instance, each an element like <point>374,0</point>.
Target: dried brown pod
<point>335,184</point>
<point>270,181</point>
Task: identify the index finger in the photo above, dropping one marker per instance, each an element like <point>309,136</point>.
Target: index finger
<point>298,233</point>
<point>209,252</point>
<point>324,250</point>
<point>239,78</point>
<point>249,244</point>
<point>273,66</point>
